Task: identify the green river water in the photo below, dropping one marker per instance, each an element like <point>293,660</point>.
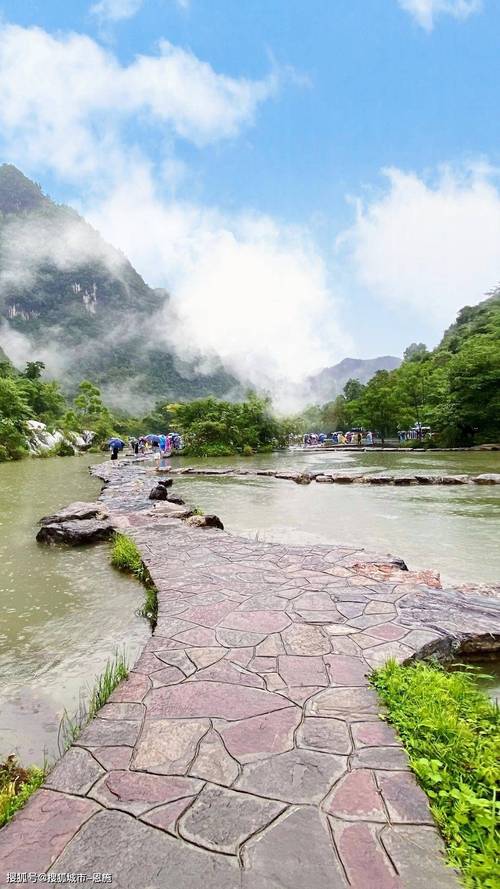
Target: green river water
<point>64,611</point>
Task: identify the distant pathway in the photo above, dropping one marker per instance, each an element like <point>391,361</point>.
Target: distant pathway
<point>245,750</point>
<point>343,477</point>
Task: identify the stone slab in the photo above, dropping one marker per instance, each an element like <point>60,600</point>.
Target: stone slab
<point>143,856</point>
<point>40,831</point>
<point>214,699</point>
<point>300,776</point>
<point>221,820</point>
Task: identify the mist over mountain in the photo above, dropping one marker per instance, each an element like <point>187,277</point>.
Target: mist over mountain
<point>328,383</point>
<point>72,300</point>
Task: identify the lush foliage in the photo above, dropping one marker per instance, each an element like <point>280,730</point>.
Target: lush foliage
<point>455,389</point>
<point>126,557</point>
<point>217,428</point>
<point>16,786</point>
<point>451,732</point>
<point>25,396</point>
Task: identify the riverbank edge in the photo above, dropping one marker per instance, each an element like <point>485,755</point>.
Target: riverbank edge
<point>430,624</point>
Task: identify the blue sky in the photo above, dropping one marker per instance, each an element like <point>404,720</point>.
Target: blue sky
<point>259,152</point>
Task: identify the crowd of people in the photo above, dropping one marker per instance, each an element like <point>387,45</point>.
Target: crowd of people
<point>148,445</point>
<point>353,437</point>
<point>156,444</point>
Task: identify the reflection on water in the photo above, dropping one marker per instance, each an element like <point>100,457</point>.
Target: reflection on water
<point>64,611</point>
<point>453,530</point>
<point>487,670</point>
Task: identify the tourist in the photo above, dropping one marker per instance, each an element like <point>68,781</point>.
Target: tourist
<point>360,438</point>
<point>369,438</point>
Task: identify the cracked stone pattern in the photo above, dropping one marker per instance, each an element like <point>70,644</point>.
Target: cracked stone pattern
<point>245,750</point>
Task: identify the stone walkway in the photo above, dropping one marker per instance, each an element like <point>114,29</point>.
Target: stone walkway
<point>246,750</point>
<point>345,477</point>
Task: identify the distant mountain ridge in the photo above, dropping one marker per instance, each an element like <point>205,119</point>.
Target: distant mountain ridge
<point>328,383</point>
<point>79,300</point>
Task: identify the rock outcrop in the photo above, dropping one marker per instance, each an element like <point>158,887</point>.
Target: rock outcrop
<point>205,521</point>
<point>75,512</point>
<point>76,533</point>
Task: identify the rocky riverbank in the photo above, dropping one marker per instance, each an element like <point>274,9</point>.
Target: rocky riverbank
<point>40,441</point>
<point>246,750</point>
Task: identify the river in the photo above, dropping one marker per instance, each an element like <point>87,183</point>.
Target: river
<point>454,530</point>
<point>64,611</point>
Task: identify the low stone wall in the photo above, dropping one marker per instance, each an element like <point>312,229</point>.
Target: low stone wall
<point>343,478</point>
<point>246,748</point>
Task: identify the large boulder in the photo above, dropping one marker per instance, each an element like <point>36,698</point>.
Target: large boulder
<point>205,521</point>
<point>75,512</point>
<point>76,533</point>
<point>159,492</point>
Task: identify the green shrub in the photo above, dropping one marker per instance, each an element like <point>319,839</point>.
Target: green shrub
<point>64,449</point>
<point>12,442</point>
<point>16,786</point>
<point>451,732</point>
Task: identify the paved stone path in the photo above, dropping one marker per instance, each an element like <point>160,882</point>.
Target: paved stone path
<point>246,750</point>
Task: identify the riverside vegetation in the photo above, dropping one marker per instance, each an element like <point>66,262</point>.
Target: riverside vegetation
<point>451,732</point>
<point>18,783</point>
<point>126,557</point>
<point>455,388</point>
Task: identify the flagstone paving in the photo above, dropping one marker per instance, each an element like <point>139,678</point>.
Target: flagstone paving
<point>246,748</point>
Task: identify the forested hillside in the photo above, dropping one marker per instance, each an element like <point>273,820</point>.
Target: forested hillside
<point>455,388</point>
<point>80,300</point>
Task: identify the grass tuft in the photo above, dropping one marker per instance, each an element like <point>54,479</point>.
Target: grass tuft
<point>71,727</point>
<point>451,732</point>
<point>16,786</point>
<point>126,557</point>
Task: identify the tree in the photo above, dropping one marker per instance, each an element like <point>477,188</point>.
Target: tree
<point>88,402</point>
<point>91,411</point>
<point>34,370</point>
<point>353,390</point>
<point>415,352</point>
<point>474,385</point>
<point>412,387</point>
<point>14,404</point>
<point>213,427</point>
<point>378,406</point>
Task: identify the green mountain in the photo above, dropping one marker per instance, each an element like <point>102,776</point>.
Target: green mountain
<point>80,301</point>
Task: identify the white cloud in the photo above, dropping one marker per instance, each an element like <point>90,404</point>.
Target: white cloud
<point>244,288</point>
<point>116,10</point>
<point>425,12</point>
<point>432,247</point>
<point>65,101</point>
